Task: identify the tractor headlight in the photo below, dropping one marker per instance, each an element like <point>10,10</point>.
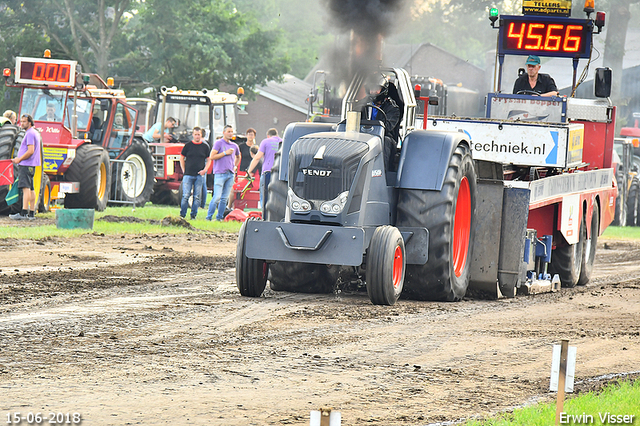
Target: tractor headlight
<point>336,205</point>
<point>296,203</point>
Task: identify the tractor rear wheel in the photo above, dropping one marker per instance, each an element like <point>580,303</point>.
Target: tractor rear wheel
<point>251,274</point>
<point>566,261</point>
<point>620,215</point>
<point>44,205</point>
<point>91,169</point>
<point>633,204</point>
<point>169,197</point>
<point>448,214</point>
<point>8,134</point>
<point>292,276</point>
<point>589,249</point>
<point>136,187</point>
<point>386,265</point>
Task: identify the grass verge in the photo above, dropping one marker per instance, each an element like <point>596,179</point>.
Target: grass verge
<point>617,399</point>
<point>622,233</point>
<point>144,220</point>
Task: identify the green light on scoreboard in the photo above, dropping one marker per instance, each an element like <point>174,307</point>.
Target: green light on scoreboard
<point>493,16</point>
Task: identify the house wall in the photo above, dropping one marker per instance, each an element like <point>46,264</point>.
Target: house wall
<point>263,114</point>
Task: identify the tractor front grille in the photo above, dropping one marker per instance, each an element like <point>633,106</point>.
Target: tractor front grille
<point>326,178</point>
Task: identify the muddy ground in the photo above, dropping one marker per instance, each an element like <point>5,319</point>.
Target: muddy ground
<point>151,330</point>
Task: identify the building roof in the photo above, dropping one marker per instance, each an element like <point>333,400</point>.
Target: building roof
<point>292,93</point>
<point>401,55</point>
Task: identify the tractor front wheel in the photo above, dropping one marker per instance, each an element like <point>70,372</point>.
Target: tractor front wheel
<point>251,274</point>
<point>386,265</point>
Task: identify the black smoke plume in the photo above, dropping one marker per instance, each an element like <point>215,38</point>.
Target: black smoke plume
<point>365,17</point>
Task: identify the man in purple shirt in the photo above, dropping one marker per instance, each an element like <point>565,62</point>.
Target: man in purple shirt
<point>224,167</point>
<point>268,149</point>
<point>28,159</point>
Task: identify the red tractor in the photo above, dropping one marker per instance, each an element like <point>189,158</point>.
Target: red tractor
<point>84,125</point>
<point>210,110</point>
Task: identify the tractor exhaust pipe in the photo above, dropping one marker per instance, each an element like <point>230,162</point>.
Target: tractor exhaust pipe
<point>353,121</point>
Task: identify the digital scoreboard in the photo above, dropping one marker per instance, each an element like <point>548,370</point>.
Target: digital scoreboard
<point>545,36</point>
<point>42,71</point>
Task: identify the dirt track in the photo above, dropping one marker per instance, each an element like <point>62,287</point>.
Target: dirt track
<point>151,330</point>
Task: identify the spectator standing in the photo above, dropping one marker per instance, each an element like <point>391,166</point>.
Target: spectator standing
<point>268,149</point>
<point>195,161</point>
<point>224,170</point>
<point>28,159</point>
<point>10,116</point>
<point>153,134</point>
<point>245,149</point>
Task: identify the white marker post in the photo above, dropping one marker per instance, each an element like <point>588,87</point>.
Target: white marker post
<point>325,417</point>
<point>563,367</point>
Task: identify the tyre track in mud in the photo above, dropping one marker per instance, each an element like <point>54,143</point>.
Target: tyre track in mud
<point>169,339</point>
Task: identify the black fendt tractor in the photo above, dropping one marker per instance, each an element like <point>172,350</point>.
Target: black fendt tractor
<point>336,205</point>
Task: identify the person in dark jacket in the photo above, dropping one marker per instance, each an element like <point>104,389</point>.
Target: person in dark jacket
<point>378,95</point>
<point>533,82</point>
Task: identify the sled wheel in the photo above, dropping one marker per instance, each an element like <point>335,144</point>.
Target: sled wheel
<point>448,214</point>
<point>589,249</point>
<point>251,274</point>
<point>385,266</point>
<point>91,169</point>
<point>566,260</point>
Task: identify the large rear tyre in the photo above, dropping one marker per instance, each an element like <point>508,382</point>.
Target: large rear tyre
<point>251,274</point>
<point>633,204</point>
<point>292,276</point>
<point>91,169</point>
<point>620,215</point>
<point>169,197</point>
<point>44,205</point>
<point>134,185</point>
<point>448,214</point>
<point>589,249</point>
<point>386,266</point>
<point>566,261</point>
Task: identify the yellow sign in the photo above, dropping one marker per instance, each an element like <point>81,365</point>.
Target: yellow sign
<point>546,7</point>
<point>576,137</point>
<point>53,158</point>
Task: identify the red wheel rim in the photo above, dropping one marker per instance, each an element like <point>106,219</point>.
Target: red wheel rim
<point>462,227</point>
<point>398,264</point>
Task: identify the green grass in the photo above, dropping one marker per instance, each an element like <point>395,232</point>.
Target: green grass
<point>624,233</point>
<point>149,212</point>
<point>615,399</point>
